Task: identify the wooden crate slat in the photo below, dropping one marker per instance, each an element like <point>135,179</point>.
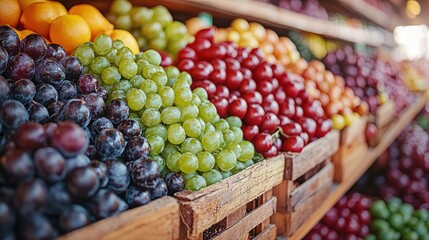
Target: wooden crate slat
<point>354,132</point>
<point>159,219</point>
<point>348,159</point>
<point>269,233</point>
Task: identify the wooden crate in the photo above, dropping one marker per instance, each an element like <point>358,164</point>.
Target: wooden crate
<point>298,199</point>
<point>238,207</point>
<point>353,147</point>
<point>382,119</point>
<point>157,220</point>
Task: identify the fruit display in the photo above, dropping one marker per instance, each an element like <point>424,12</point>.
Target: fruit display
<point>308,7</point>
<point>153,28</point>
<point>413,76</point>
<point>240,83</point>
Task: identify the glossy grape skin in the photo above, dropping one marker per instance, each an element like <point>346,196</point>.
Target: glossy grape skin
<point>80,160</point>
<point>100,124</point>
<point>4,59</point>
<point>102,91</point>
<point>87,84</point>
<point>137,147</point>
<point>20,66</point>
<point>23,90</point>
<point>50,164</point>
<point>96,105</point>
<point>18,164</point>
<point>77,111</point>
<point>36,226</point>
<point>35,46</point>
<point>74,217</point>
<point>195,183</point>
<point>58,198</point>
<point>69,138</point>
<point>137,196</point>
<point>66,90</point>
<point>55,107</point>
<point>129,128</point>
<point>119,177</point>
<point>102,172</point>
<point>9,40</point>
<point>160,190</point>
<point>7,217</point>
<point>38,113</point>
<point>72,67</point>
<point>49,71</point>
<point>110,143</point>
<point>104,203</point>
<point>4,88</point>
<point>145,173</point>
<point>31,136</point>
<point>13,114</point>
<point>117,110</point>
<point>82,182</point>
<point>46,94</point>
<point>30,196</point>
<point>175,183</point>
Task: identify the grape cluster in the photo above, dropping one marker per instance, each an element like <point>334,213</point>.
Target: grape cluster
<point>241,84</point>
<point>348,219</point>
<point>153,28</point>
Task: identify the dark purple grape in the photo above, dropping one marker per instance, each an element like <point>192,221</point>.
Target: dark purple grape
<point>74,217</point>
<point>49,71</point>
<point>38,113</point>
<point>7,217</point>
<point>145,173</point>
<point>123,206</point>
<point>7,141</point>
<point>6,193</point>
<point>82,182</point>
<point>129,128</point>
<point>119,177</point>
<point>110,143</point>
<point>56,52</point>
<point>23,90</point>
<point>54,107</point>
<point>72,68</point>
<point>88,135</point>
<point>137,196</point>
<point>175,182</point>
<point>36,227</point>
<point>20,66</point>
<point>50,164</point>
<point>80,160</point>
<point>102,91</point>
<point>13,114</point>
<point>58,199</point>
<point>50,128</point>
<point>100,124</point>
<point>18,164</point>
<point>96,104</point>
<point>137,147</point>
<point>9,40</point>
<point>117,110</point>
<point>87,84</point>
<point>91,152</point>
<point>31,136</point>
<point>34,46</point>
<point>160,190</point>
<point>46,94</point>
<point>4,59</point>
<point>30,196</point>
<point>102,172</point>
<point>104,204</point>
<point>77,111</point>
<point>66,90</point>
<point>4,88</point>
<point>69,138</point>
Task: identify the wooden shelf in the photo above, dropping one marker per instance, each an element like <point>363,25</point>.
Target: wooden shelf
<point>271,15</point>
<point>338,190</point>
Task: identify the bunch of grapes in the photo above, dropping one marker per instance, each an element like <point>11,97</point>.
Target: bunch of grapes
<point>153,28</point>
<point>182,127</point>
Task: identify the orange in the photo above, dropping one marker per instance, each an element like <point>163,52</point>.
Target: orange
<point>69,31</point>
<point>97,22</point>
<point>9,12</point>
<point>38,16</point>
<point>127,38</point>
<point>24,3</point>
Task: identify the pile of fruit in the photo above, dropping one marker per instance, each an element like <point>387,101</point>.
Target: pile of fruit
<point>307,7</point>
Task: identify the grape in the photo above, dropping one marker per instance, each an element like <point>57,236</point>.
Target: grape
<point>175,182</point>
<point>153,101</point>
<point>179,84</point>
<point>20,66</point>
<point>238,134</point>
<point>172,72</point>
<point>136,99</point>
<point>102,44</point>
<point>9,40</point>
<point>49,71</point>
<point>58,198</point>
<point>247,151</point>
<point>170,115</point>
<point>192,127</point>
<point>110,143</point>
<point>85,54</point>
<point>87,84</point>
<point>13,114</point>
<point>102,91</point>
<point>137,196</point>
<point>176,134</point>
<point>158,130</point>
<point>188,163</point>
<point>148,86</point>
<point>167,96</point>
<point>137,147</point>
<point>69,138</point>
<point>55,52</point>
<point>201,93</point>
<point>72,67</point>
<point>66,90</point>
<point>237,168</point>
<point>123,53</point>
<point>159,161</point>
<point>82,182</point>
<point>38,113</point>
<point>187,176</point>
<point>101,170</point>
<point>46,94</point>
<point>212,176</point>
<point>23,90</point>
<point>119,177</point>
<point>121,8</point>
<point>95,104</point>
<point>226,160</point>
<point>50,164</point>
<point>110,75</point>
<point>206,161</point>
<point>30,136</point>
<point>195,183</point>
<point>36,226</point>
<point>192,145</point>
<point>98,64</point>
<point>248,163</point>
<point>182,96</point>
<point>229,137</point>
<point>207,112</point>
<point>80,160</point>
<point>17,164</point>
<point>123,22</point>
<point>4,88</point>
<point>160,190</point>
<point>151,29</point>
<point>104,204</point>
<point>226,174</point>
<point>222,125</point>
<point>74,217</point>
<point>172,161</point>
<point>129,128</point>
<point>151,117</point>
<point>118,94</point>
<point>145,173</point>
<point>136,81</point>
<point>236,149</point>
<point>160,78</point>
<point>156,144</point>
<point>30,196</point>
<point>117,111</point>
<point>211,141</point>
<point>7,217</point>
<point>128,68</point>
<point>189,112</point>
<point>34,46</point>
<point>100,124</point>
<point>148,71</point>
<point>208,126</point>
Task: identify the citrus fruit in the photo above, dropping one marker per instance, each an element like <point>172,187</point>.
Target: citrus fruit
<point>69,31</point>
<point>127,38</point>
<point>9,12</point>
<point>97,22</point>
<point>24,3</point>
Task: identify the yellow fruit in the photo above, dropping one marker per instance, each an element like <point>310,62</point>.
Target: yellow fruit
<point>221,35</point>
<point>38,16</point>
<point>70,31</point>
<point>233,36</point>
<point>97,22</point>
<point>258,31</point>
<point>127,38</point>
<point>9,12</point>
<point>338,121</point>
<point>24,3</point>
<point>195,24</point>
<point>240,25</point>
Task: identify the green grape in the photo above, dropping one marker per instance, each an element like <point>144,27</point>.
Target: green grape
<point>175,28</point>
<point>179,84</point>
<point>140,65</point>
<point>133,115</point>
<point>141,41</point>
<point>136,81</point>
<point>229,137</point>
<point>165,172</point>
<point>195,183</point>
<point>174,47</point>
<point>109,88</point>
<point>148,71</point>
<point>189,112</point>
<point>156,144</point>
<point>212,176</point>
<point>151,29</point>
<point>211,141</point>
<point>238,134</point>
<point>123,85</point>
<point>153,101</point>
<point>238,167</point>
<point>110,75</point>
<point>128,68</point>
<point>172,161</point>
<point>188,163</point>
<point>226,174</point>
<point>236,149</point>
<point>148,86</point>
<point>152,56</point>
<point>117,44</point>
<point>222,125</point>
<point>192,145</point>
<point>247,151</point>
<point>123,53</point>
<point>102,44</point>
<point>170,115</point>
<point>183,97</point>
<point>226,159</point>
<point>196,100</point>
<point>160,69</point>
<point>151,117</point>
<point>208,112</point>
<point>184,76</point>
<point>141,15</point>
<point>162,15</point>
<point>187,176</point>
<point>119,7</point>
<point>159,42</point>
<point>85,54</point>
<point>206,161</point>
<point>111,55</point>
<point>234,121</point>
<point>171,82</point>
<point>192,127</point>
<point>136,99</point>
<point>176,134</point>
<point>85,69</point>
<point>98,64</point>
<point>172,72</point>
<point>123,22</point>
<point>118,94</point>
<point>209,127</point>
<point>160,78</point>
<point>201,92</point>
<point>217,118</point>
<point>158,130</point>
<point>248,163</point>
<point>160,161</point>
<point>169,148</point>
<point>167,95</point>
